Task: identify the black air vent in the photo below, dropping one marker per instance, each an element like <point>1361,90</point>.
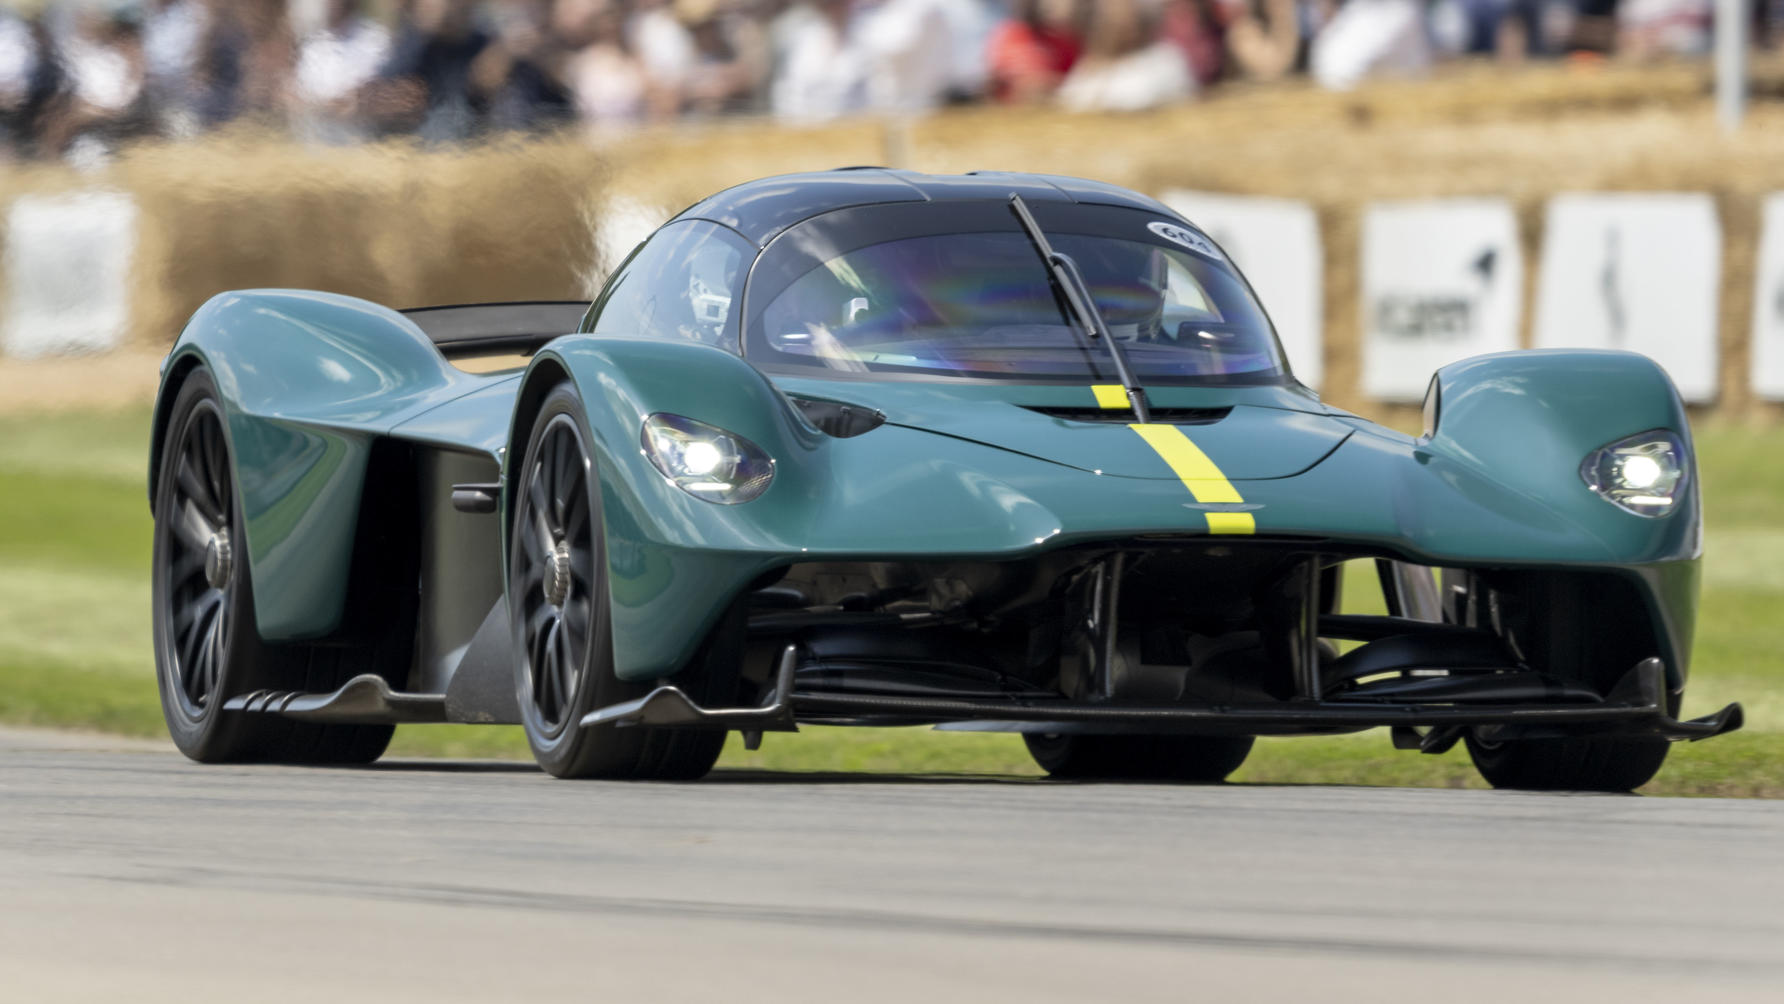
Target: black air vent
<point>1162,416</point>
<point>833,418</point>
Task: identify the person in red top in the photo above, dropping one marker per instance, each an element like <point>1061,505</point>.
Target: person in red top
<point>1030,53</point>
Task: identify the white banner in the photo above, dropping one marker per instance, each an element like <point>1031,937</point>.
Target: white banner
<point>1442,280</point>
<point>1636,271</point>
<point>1768,304</point>
<point>1275,242</point>
<point>67,272</point>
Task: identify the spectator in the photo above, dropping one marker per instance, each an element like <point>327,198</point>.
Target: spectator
<point>909,53</point>
<point>19,62</point>
<point>1267,39</point>
<point>1369,38</point>
<point>607,83</point>
<point>103,59</point>
<point>1031,53</point>
<point>425,87</point>
<point>243,61</point>
<point>1193,26</point>
<point>171,35</point>
<point>970,24</point>
<point>731,58</point>
<point>666,49</point>
<point>516,81</point>
<point>1126,65</point>
<point>1648,29</point>
<point>1509,29</point>
<point>334,61</point>
<point>823,73</point>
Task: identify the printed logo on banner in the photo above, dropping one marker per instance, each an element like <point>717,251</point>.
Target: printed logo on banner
<point>1442,281</point>
<point>1275,242</point>
<point>1634,271</point>
<point>1427,316</point>
<point>1768,303</point>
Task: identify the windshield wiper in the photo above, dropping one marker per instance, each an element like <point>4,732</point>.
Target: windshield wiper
<point>1077,295</point>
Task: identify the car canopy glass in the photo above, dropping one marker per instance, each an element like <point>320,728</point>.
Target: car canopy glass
<point>958,290</point>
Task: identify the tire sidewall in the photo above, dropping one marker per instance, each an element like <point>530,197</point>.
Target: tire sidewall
<point>210,735</point>
<point>572,749</point>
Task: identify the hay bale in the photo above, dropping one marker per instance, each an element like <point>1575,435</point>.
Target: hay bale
<point>392,224</point>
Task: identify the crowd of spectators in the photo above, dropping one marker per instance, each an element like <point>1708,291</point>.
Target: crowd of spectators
<point>79,76</point>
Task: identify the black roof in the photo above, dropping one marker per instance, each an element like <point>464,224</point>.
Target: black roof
<point>761,209</point>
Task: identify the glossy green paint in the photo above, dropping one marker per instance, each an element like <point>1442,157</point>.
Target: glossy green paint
<point>311,380</point>
<point>1272,431</point>
<point>308,381</point>
<point>903,491</point>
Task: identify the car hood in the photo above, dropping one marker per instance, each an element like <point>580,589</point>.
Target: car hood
<point>1248,433</point>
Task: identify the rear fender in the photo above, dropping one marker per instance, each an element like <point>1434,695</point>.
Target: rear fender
<point>308,381</point>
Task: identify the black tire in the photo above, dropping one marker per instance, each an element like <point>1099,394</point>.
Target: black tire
<point>558,603</point>
<point>207,647</point>
<point>1194,759</point>
<point>1581,763</point>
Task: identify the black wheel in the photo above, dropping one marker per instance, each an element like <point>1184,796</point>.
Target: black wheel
<point>558,602</point>
<point>1583,763</point>
<point>207,648</point>
<point>1199,759</point>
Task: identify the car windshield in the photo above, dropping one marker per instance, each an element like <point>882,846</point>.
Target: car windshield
<point>981,305</point>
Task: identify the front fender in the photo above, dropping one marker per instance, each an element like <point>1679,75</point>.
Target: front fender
<point>673,560</point>
<point>1527,420</point>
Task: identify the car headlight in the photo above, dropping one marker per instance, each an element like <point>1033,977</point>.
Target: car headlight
<point>706,461</point>
<point>1644,474</point>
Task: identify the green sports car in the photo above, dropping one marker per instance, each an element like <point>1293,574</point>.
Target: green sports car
<point>994,452</point>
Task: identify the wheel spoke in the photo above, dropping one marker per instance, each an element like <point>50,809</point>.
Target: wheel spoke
<point>536,623</point>
<point>192,680</point>
<point>194,650</point>
<point>576,516</point>
<point>560,478</point>
<point>213,661</point>
<point>543,536</point>
<point>216,466</point>
<point>192,616</point>
<point>576,619</point>
<point>189,567</point>
<point>196,491</point>
<point>536,490</point>
<point>545,677</point>
<point>566,669</point>
<point>582,564</point>
<point>193,527</point>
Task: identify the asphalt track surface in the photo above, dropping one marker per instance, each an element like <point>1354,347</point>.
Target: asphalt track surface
<point>128,874</point>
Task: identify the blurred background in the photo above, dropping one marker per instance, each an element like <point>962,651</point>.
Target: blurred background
<point>1407,182</point>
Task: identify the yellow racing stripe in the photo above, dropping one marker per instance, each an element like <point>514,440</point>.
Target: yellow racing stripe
<point>1110,396</point>
<point>1199,475</point>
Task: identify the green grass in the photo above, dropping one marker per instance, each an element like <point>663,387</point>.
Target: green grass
<point>75,650</point>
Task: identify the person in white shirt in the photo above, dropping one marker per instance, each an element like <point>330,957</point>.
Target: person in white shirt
<point>824,70</point>
<point>665,48</point>
<point>342,55</point>
<point>910,54</point>
<point>1371,38</point>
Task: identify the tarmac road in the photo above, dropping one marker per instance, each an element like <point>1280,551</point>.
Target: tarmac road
<point>130,874</point>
